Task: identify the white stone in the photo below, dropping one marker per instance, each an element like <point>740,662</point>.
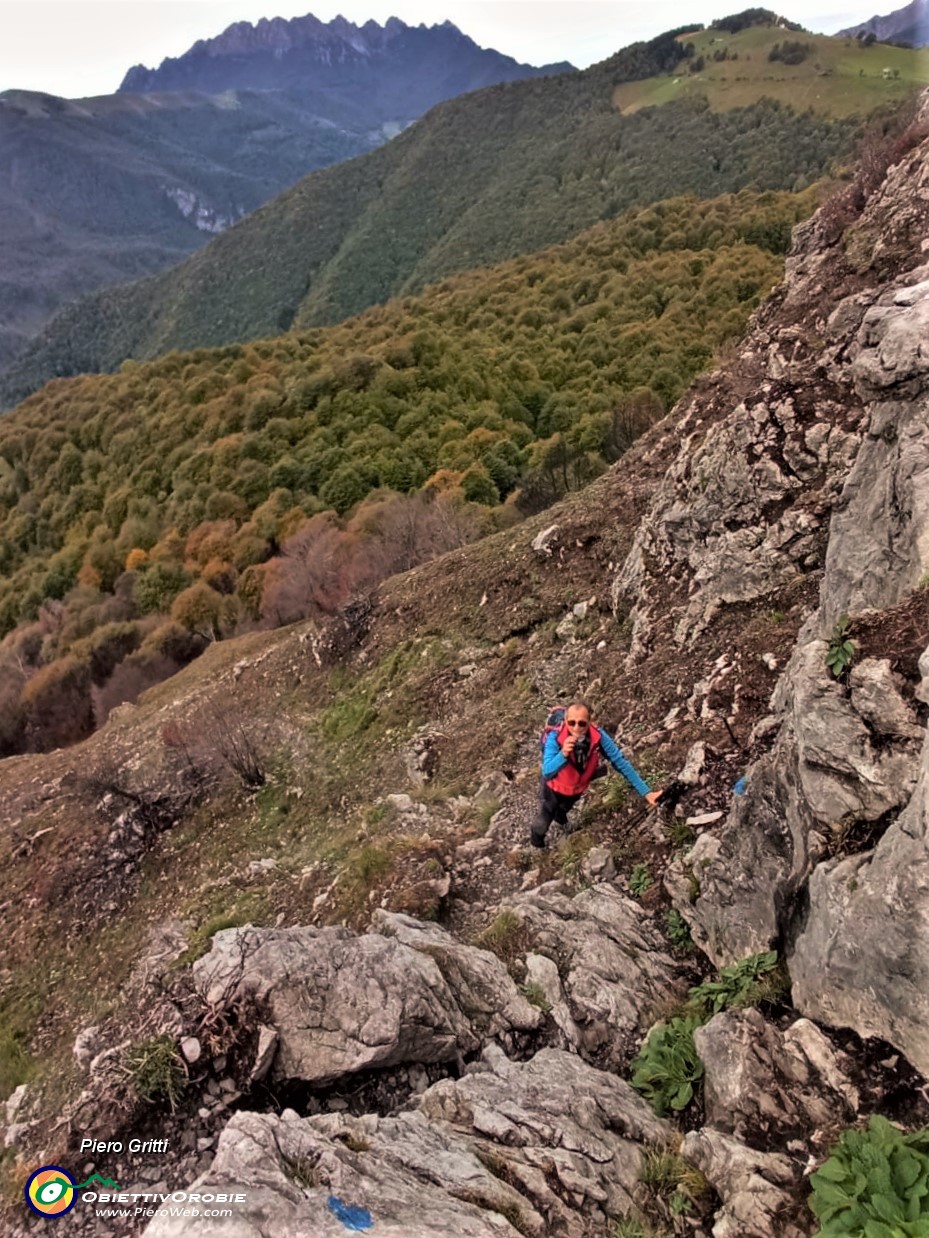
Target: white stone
<point>191,1050</point>
<point>267,1046</point>
<point>15,1102</point>
<point>542,543</point>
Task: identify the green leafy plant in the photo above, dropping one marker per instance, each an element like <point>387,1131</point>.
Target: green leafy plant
<point>875,1184</point>
<point>668,1066</point>
<point>741,984</point>
<point>841,650</point>
<point>640,880</point>
<point>678,929</point>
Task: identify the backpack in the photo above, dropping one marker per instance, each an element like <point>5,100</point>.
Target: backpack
<point>554,722</point>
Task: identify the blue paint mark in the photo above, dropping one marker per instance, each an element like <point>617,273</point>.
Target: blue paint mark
<point>740,786</point>
<point>355,1219</point>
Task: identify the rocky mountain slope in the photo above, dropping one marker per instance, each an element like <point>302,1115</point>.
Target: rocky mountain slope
<point>348,988</point>
<point>907,25</point>
<point>97,192</point>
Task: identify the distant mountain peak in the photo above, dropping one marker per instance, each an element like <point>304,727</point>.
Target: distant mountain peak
<point>280,35</point>
<point>909,24</point>
<point>275,52</point>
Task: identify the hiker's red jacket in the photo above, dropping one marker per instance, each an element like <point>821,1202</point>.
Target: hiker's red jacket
<point>563,776</point>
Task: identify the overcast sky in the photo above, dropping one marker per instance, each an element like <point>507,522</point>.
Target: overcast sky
<point>77,48</point>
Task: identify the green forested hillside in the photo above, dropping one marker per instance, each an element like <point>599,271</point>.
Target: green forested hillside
<point>144,513</point>
<point>483,178</point>
<point>99,191</point>
<point>95,192</point>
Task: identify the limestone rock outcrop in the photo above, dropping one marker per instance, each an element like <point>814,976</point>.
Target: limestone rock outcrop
<point>612,964</point>
<point>764,1085</point>
<point>839,755</point>
<point>535,1148</point>
<point>342,1003</point>
<point>862,957</point>
<point>756,1187</point>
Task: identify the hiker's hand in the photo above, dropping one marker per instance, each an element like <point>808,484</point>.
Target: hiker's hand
<point>568,746</point>
<point>653,797</point>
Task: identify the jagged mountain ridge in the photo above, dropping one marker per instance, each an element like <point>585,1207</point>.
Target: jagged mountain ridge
<point>96,192</point>
<point>727,541</point>
<point>907,25</point>
<point>369,63</point>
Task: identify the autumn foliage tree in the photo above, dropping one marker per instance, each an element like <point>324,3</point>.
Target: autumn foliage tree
<point>56,704</point>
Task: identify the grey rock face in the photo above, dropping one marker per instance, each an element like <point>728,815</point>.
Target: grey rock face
<point>842,769</point>
<point>342,1003</point>
<point>862,958</point>
<point>481,986</point>
<point>838,756</point>
<point>877,699</point>
<point>290,1169</point>
<point>710,521</point>
<point>612,964</point>
<point>751,1185</point>
<point>893,342</point>
<point>554,1120</point>
<point>764,1084</point>
<point>536,1148</point>
<point>879,540</point>
<point>830,449</point>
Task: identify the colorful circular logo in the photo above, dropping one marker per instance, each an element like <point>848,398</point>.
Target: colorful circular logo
<point>50,1191</point>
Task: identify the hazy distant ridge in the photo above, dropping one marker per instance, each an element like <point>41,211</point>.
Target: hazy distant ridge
<point>908,25</point>
<point>94,192</point>
<point>412,67</point>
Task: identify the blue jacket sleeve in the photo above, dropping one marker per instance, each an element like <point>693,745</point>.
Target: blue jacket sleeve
<point>553,759</point>
<point>614,755</point>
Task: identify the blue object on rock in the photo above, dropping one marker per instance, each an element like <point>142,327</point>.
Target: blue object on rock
<point>355,1219</point>
<point>739,788</point>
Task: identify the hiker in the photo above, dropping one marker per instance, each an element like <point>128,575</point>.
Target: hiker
<point>570,759</point>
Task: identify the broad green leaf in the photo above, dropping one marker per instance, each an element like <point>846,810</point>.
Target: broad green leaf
<point>832,1170</point>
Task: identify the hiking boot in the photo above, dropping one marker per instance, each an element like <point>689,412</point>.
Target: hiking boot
<point>537,840</point>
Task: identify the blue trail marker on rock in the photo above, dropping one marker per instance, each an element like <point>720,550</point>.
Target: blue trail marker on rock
<point>354,1219</point>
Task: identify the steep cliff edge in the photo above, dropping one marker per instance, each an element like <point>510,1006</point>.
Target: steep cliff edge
<point>826,460</point>
<point>424,1028</point>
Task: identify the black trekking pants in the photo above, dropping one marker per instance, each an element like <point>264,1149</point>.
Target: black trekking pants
<point>553,806</point>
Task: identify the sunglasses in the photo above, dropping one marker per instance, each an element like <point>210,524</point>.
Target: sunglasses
<point>580,724</point>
